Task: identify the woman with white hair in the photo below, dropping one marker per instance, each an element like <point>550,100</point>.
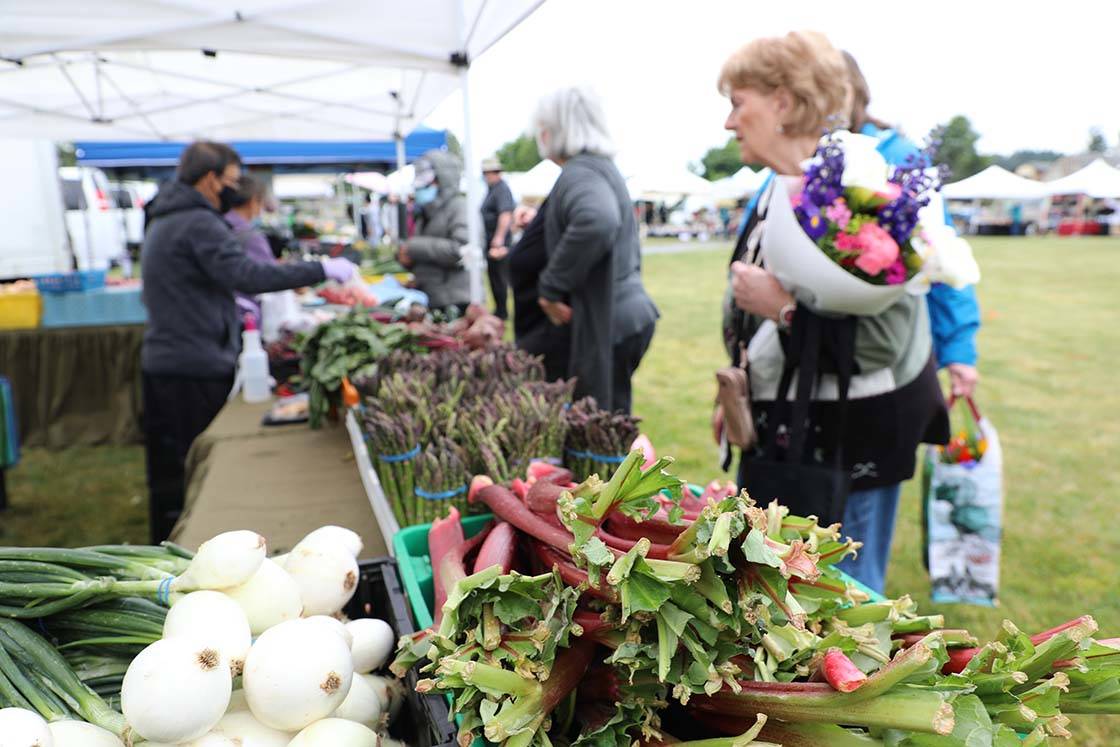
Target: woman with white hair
<point>593,277</point>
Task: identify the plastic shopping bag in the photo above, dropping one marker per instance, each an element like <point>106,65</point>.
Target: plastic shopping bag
<point>962,500</point>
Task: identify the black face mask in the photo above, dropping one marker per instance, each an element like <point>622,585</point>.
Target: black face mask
<point>225,199</point>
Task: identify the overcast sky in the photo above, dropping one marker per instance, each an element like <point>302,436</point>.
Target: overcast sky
<point>1029,74</point>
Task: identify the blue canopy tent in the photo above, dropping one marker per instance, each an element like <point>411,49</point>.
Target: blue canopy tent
<point>154,157</point>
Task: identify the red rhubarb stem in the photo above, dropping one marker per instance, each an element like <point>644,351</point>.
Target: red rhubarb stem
<point>499,548</point>
<point>840,672</point>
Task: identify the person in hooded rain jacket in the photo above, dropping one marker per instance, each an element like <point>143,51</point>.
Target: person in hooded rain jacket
<point>434,254</point>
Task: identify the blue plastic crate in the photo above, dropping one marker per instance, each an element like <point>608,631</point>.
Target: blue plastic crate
<point>105,306</point>
<point>66,282</point>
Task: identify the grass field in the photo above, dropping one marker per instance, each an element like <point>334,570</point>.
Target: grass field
<point>1049,358</point>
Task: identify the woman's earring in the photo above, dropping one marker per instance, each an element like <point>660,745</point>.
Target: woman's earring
<point>781,129</point>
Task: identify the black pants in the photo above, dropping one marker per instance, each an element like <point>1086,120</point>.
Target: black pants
<point>498,270</point>
<point>176,410</point>
<point>628,353</point>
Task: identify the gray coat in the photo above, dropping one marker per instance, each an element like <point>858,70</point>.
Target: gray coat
<point>192,264</point>
<point>441,230</point>
<point>595,265</point>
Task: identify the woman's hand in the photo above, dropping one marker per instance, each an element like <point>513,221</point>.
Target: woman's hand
<point>757,291</point>
<point>558,313</point>
<point>963,379</point>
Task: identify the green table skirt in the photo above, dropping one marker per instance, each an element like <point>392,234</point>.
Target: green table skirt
<point>75,387</point>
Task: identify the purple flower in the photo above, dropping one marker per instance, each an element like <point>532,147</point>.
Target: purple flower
<point>811,220</point>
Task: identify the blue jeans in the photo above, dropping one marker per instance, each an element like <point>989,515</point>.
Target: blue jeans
<point>869,518</point>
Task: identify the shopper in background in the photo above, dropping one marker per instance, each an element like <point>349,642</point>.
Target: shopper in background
<point>192,265</point>
<point>391,218</point>
<point>434,253</point>
<point>593,279</point>
<point>497,220</point>
<point>244,218</point>
<point>954,315</point>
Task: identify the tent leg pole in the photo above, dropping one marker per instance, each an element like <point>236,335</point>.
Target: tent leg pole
<point>473,257</point>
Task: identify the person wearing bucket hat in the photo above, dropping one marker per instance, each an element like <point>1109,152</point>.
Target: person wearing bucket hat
<point>840,443</point>
<point>497,218</point>
<point>434,253</point>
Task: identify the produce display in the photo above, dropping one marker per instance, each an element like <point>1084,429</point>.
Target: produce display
<point>721,621</point>
<point>122,645</point>
<point>434,421</point>
<point>598,440</point>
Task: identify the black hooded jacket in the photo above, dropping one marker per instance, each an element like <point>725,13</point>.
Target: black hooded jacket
<point>192,263</point>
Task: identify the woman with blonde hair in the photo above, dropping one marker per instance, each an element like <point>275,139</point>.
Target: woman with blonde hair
<point>867,391</point>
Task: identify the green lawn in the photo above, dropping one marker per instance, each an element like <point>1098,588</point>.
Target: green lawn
<point>1049,349</point>
<point>1048,353</point>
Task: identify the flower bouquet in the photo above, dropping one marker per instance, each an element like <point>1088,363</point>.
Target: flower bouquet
<point>854,234</point>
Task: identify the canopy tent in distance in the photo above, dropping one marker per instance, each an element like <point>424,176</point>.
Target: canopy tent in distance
<point>994,183</point>
<point>1097,180</point>
<point>264,70</point>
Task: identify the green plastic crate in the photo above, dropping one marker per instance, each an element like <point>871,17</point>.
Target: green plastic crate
<point>411,548</point>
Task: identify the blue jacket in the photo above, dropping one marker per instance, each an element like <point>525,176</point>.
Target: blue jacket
<point>954,315</point>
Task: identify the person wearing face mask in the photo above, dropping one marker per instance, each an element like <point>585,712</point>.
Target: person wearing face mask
<point>434,253</point>
<point>244,218</point>
<point>192,265</point>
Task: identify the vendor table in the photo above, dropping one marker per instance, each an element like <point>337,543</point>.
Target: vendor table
<point>281,481</point>
<point>75,387</point>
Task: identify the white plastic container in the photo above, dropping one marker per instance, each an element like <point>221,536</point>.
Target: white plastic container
<point>252,366</point>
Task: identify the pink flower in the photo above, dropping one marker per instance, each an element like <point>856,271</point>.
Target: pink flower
<point>896,273</point>
<point>839,213</point>
<point>879,250</point>
<point>846,242</point>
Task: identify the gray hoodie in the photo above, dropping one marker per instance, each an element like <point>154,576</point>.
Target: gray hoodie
<point>441,230</point>
<point>192,263</point>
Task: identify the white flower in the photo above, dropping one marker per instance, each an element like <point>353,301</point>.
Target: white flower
<point>864,165</point>
<point>946,257</point>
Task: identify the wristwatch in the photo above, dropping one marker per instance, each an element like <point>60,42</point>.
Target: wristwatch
<point>785,315</point>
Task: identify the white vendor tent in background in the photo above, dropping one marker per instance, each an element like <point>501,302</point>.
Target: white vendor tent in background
<point>994,183</point>
<point>1097,180</point>
<point>536,183</point>
<point>667,186</point>
<point>256,69</point>
<point>743,183</point>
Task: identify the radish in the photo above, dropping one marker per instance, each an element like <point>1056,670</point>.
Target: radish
<point>244,726</point>
<point>22,728</point>
<point>334,625</point>
<point>373,642</point>
<point>269,598</point>
<point>190,676</point>
<point>81,734</point>
<point>215,619</point>
<point>296,673</point>
<point>228,560</point>
<point>335,732</point>
<point>362,705</point>
<point>212,739</point>
<point>333,536</point>
<point>327,577</point>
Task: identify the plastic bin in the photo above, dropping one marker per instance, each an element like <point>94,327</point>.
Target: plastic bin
<point>65,282</point>
<point>103,306</point>
<point>411,546</point>
<point>423,721</point>
<point>20,310</point>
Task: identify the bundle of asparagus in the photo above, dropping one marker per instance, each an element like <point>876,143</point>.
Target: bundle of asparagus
<point>598,440</point>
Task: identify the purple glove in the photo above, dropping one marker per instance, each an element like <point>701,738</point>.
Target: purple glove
<point>339,269</point>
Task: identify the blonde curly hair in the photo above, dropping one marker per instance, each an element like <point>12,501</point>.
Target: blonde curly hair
<point>805,64</point>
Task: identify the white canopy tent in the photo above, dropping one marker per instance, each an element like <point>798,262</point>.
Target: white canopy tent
<point>743,183</point>
<point>994,183</point>
<point>536,183</point>
<point>265,69</point>
<point>667,186</point>
<point>1097,180</point>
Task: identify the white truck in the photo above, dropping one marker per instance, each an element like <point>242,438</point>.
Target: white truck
<point>55,219</point>
<point>33,239</point>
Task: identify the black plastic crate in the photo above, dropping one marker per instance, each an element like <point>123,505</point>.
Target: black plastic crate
<point>423,722</point>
